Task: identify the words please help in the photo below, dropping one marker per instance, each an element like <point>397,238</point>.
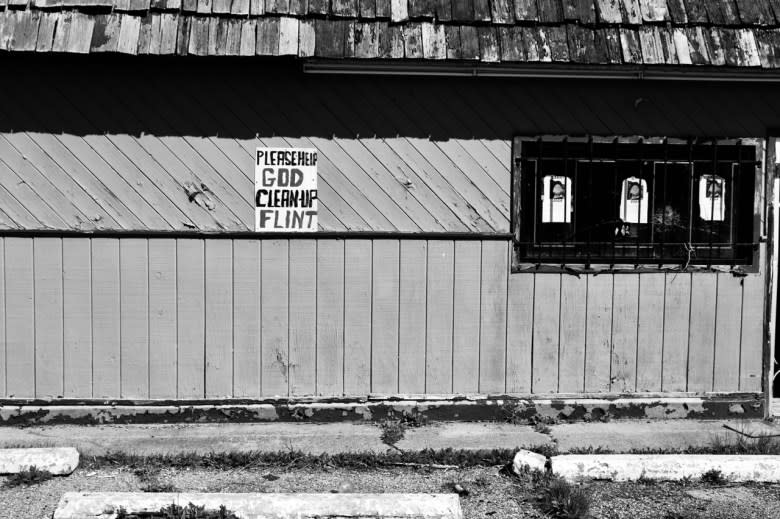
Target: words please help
<point>286,190</point>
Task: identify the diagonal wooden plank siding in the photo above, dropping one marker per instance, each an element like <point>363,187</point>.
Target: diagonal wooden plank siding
<point>181,318</point>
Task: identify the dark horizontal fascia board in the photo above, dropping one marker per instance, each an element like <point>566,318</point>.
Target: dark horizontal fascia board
<point>250,235</point>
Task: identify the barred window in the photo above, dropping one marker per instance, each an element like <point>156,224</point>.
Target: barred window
<point>621,201</point>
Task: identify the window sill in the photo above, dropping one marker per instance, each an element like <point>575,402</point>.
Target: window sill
<point>595,269</point>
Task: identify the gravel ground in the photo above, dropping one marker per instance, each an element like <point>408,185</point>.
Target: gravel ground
<point>491,495</point>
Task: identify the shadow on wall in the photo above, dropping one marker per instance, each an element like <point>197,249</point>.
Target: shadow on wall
<point>244,98</point>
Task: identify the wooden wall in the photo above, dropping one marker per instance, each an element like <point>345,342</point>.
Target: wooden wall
<point>163,318</point>
<point>111,145</point>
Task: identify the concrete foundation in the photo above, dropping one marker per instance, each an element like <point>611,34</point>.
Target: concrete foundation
<point>478,408</point>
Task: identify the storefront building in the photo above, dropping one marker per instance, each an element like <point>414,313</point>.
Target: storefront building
<point>557,201</point>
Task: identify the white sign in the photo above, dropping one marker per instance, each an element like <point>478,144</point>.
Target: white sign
<point>556,199</point>
<point>286,190</point>
<point>634,200</point>
<point>712,193</point>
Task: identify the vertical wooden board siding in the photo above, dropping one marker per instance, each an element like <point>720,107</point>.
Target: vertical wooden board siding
<point>728,323</point>
<point>330,317</point>
<point>438,325</point>
<point>598,335</point>
<point>650,332</point>
<point>190,317</point>
<point>77,317</point>
<point>625,314</point>
<point>219,318</point>
<point>384,317</point>
<point>246,318</point>
<point>465,333</point>
<point>493,300</point>
<point>701,334</point>
<point>520,326</point>
<point>163,344</point>
<point>574,293</point>
<point>20,318</point>
<point>750,360</point>
<point>303,317</point>
<point>134,317</point>
<point>414,285</point>
<point>275,319</point>
<point>47,267</point>
<point>676,316</point>
<point>358,263</point>
<point>105,318</point>
<point>547,305</point>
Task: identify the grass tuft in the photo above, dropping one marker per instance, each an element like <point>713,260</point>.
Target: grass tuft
<point>292,459</point>
<point>174,511</point>
<point>150,481</point>
<point>714,477</point>
<point>562,500</point>
<point>30,476</point>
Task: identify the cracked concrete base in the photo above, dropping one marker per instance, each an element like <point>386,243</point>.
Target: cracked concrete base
<point>269,437</point>
<point>665,467</point>
<point>59,461</point>
<point>76,505</point>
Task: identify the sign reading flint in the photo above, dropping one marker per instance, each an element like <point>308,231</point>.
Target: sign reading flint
<point>286,190</point>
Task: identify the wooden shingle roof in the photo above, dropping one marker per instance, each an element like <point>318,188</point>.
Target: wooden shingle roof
<point>737,33</point>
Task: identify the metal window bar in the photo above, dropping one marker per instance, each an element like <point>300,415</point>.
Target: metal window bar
<point>590,198</point>
<point>615,207</point>
<point>640,176</point>
<point>568,194</point>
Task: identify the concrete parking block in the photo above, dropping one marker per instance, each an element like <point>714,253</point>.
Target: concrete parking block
<point>57,460</point>
<point>77,505</point>
<point>666,467</point>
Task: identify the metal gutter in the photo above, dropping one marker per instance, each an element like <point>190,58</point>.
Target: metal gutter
<point>550,71</point>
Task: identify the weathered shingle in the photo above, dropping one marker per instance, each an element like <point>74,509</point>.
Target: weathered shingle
<point>735,33</point>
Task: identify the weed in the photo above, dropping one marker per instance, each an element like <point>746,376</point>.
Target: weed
<point>515,413</point>
<point>713,477</point>
<point>549,450</point>
<point>392,432</point>
<point>542,428</point>
<point>759,444</point>
<point>30,476</point>
<point>174,511</point>
<point>682,515</point>
<point>149,479</point>
<point>292,459</point>
<point>562,500</point>
<point>482,481</point>
<point>644,480</point>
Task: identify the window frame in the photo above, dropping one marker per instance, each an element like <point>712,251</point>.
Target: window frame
<point>521,263</point>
